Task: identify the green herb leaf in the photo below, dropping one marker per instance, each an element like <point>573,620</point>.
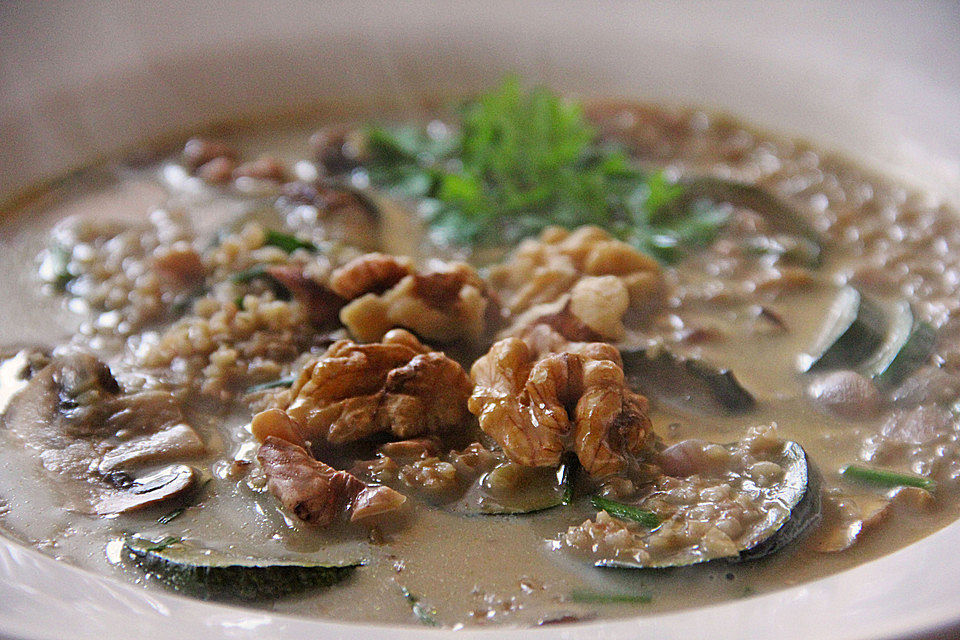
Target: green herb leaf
<point>884,478</point>
<point>522,160</point>
<point>626,511</point>
<point>598,597</point>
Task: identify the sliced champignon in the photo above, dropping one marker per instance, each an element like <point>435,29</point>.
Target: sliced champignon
<point>322,305</point>
<point>536,409</point>
<point>846,519</point>
<point>86,430</point>
<point>354,390</point>
<point>316,492</point>
<point>177,441</point>
<point>17,366</point>
<point>845,393</point>
<point>175,482</point>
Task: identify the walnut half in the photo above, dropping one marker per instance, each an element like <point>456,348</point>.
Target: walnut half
<point>445,305</point>
<point>585,281</point>
<point>575,400</point>
<point>352,391</point>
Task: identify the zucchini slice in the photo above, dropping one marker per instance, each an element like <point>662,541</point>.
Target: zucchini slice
<point>209,574</point>
<point>779,215</point>
<point>685,382</point>
<point>794,507</point>
<point>533,489</point>
<point>853,330</point>
<point>908,346</point>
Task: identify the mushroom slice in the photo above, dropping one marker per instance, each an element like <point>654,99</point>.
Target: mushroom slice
<point>178,441</point>
<point>170,483</point>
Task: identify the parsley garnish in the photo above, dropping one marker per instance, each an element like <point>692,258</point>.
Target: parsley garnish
<point>520,160</point>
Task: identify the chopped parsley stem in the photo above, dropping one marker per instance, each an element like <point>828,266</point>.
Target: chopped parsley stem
<point>288,242</point>
<point>170,517</point>
<point>885,478</point>
<point>273,384</point>
<point>262,272</point>
<point>163,544</point>
<point>599,597</point>
<point>249,275</point>
<point>568,478</point>
<point>626,511</point>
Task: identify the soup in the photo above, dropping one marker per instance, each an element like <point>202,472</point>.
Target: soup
<point>523,362</point>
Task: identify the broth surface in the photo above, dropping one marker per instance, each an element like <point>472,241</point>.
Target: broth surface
<point>489,569</point>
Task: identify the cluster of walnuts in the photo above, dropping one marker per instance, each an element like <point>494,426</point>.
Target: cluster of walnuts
<point>550,384</point>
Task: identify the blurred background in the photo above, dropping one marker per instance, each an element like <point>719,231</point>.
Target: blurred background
<point>79,79</point>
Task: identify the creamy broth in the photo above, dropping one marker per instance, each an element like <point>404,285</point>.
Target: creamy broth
<point>751,313</point>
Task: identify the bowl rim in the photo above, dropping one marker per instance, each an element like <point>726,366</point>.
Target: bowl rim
<point>876,601</point>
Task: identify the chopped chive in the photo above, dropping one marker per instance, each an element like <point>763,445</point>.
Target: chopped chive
<point>163,544</point>
<point>288,242</point>
<point>626,511</point>
<point>424,615</point>
<point>170,517</point>
<point>884,478</point>
<point>249,275</point>
<point>238,302</point>
<point>261,272</point>
<point>599,597</point>
<point>568,478</point>
<point>273,384</point>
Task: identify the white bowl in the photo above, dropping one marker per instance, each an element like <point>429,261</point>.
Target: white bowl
<point>879,82</point>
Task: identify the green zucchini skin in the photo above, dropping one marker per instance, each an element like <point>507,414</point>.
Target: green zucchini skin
<point>909,347</point>
<point>885,346</point>
<point>801,491</point>
<point>779,215</point>
<point>213,576</point>
<point>660,370</point>
<point>854,330</point>
<point>551,488</point>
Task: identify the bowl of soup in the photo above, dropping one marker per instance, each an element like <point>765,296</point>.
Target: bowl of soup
<point>522,323</point>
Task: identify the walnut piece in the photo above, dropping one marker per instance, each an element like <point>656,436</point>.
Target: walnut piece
<point>431,476</point>
<point>352,391</point>
<point>316,492</point>
<point>574,400</point>
<point>445,305</point>
<point>586,276</point>
<point>369,273</point>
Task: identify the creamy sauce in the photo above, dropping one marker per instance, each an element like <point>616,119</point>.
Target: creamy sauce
<point>491,569</point>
